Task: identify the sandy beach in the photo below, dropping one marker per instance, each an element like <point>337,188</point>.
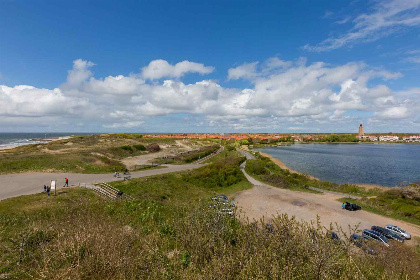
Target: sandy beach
<point>41,141</point>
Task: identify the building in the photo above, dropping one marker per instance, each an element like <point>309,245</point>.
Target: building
<point>367,138</point>
<point>389,138</point>
<point>411,138</point>
<point>361,130</point>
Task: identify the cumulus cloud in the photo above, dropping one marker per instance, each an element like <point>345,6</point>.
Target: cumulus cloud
<point>387,17</point>
<point>281,95</point>
<point>244,71</point>
<point>159,68</point>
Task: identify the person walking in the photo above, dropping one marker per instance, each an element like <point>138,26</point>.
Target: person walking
<point>48,190</point>
<point>66,184</point>
<point>343,205</point>
<point>45,188</point>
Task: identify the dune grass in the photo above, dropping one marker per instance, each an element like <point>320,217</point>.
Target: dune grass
<point>399,203</point>
<point>168,231</point>
<point>79,154</point>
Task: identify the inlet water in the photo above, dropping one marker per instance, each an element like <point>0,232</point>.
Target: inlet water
<point>382,164</point>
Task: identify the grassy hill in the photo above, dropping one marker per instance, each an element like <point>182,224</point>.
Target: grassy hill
<point>86,153</point>
<point>169,231</point>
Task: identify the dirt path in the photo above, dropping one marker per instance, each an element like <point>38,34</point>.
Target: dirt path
<point>266,201</point>
<point>29,183</point>
<point>147,159</point>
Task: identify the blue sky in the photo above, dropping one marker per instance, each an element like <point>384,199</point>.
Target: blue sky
<point>249,66</point>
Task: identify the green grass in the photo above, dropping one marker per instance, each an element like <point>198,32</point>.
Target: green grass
<point>169,232</point>
<point>264,170</point>
<point>398,203</point>
<point>229,151</point>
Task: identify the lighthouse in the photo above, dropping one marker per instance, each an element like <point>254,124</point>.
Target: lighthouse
<point>361,130</point>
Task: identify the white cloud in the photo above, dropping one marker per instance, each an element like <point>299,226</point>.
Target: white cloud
<point>388,17</point>
<point>159,68</point>
<point>394,113</point>
<point>282,94</point>
<point>79,73</point>
<point>244,71</point>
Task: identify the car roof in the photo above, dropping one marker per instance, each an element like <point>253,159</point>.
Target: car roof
<point>373,232</point>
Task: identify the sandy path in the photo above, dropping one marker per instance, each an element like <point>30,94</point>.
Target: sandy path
<point>266,201</point>
<point>29,183</point>
<point>147,159</point>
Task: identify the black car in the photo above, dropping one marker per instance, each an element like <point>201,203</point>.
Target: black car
<point>375,236</point>
<point>362,243</point>
<point>334,236</point>
<point>388,234</point>
<point>351,206</point>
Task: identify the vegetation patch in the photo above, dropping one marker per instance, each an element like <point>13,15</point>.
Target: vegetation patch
<point>400,203</point>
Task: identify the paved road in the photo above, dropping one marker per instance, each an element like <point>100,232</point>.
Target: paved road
<point>245,154</point>
<point>29,183</point>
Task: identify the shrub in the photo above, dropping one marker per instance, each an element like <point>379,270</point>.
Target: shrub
<point>153,148</point>
<point>140,147</point>
<point>127,148</point>
<point>221,173</point>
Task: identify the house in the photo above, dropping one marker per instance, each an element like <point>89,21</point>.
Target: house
<point>389,138</point>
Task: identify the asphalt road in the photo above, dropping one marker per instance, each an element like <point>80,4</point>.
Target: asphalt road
<point>12,185</point>
<point>245,154</point>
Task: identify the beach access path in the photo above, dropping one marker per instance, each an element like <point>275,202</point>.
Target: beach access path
<point>12,185</point>
<point>263,200</point>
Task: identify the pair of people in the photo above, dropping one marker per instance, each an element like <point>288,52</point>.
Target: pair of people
<point>47,189</point>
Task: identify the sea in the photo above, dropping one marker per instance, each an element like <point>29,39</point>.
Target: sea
<point>383,164</point>
<point>8,140</point>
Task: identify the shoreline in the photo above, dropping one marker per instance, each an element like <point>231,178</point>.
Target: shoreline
<point>282,165</point>
<point>37,141</point>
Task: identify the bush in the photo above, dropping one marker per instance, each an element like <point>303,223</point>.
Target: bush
<point>127,148</point>
<point>140,147</point>
<point>221,173</point>
<point>153,148</point>
<point>203,152</point>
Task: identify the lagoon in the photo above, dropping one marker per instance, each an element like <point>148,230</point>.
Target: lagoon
<point>382,164</point>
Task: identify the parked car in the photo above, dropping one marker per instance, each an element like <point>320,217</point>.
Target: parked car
<point>373,235</point>
<point>269,228</point>
<point>220,197</point>
<point>398,230</point>
<point>351,206</point>
<point>334,236</point>
<point>362,243</point>
<point>388,233</point>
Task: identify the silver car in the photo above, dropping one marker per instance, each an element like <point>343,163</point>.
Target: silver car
<point>399,231</point>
